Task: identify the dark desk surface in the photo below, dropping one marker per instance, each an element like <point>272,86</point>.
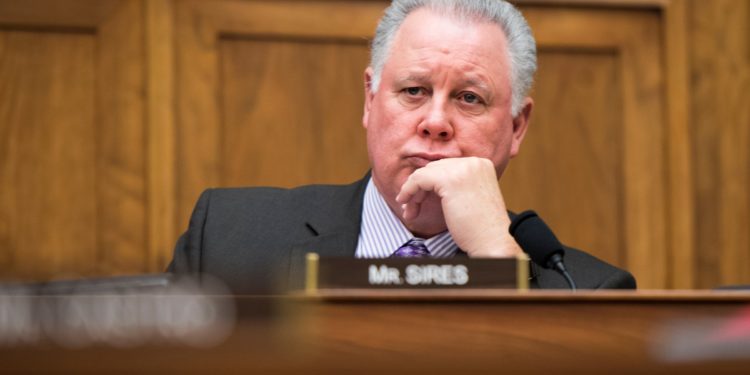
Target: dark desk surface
<point>440,332</point>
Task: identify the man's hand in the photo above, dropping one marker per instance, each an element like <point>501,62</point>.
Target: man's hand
<point>472,204</point>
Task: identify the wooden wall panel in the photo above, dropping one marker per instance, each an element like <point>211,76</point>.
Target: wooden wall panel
<point>121,140</point>
<point>72,163</point>
<point>681,219</point>
<point>575,145</point>
<point>624,218</point>
<point>719,44</point>
<point>160,134</point>
<point>292,103</point>
<point>48,217</point>
<point>269,93</point>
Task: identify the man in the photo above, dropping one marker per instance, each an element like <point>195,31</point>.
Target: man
<point>445,111</point>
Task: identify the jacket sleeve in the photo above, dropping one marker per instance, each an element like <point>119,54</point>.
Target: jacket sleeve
<point>619,280</point>
<point>189,247</point>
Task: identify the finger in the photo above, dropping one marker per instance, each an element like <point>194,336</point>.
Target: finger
<point>411,210</point>
<point>416,183</point>
<point>418,198</point>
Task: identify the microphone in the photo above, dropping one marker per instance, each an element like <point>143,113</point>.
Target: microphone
<point>538,241</point>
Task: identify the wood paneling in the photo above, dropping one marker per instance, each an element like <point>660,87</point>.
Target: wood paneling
<point>681,214</point>
<point>719,39</point>
<point>295,104</point>
<point>56,14</point>
<point>72,164</point>
<point>600,96</point>
<point>47,154</point>
<point>269,93</point>
<point>116,114</point>
<point>161,132</point>
<point>121,158</point>
<point>575,144</point>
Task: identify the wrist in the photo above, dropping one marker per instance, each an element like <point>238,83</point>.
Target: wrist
<point>502,246</point>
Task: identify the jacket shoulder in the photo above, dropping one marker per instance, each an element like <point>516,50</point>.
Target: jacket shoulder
<point>588,271</point>
<point>233,227</point>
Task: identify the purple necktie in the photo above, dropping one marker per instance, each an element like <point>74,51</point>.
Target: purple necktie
<point>414,248</point>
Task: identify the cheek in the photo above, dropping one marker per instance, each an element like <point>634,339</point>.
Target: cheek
<point>381,142</point>
<point>489,143</point>
<point>390,130</point>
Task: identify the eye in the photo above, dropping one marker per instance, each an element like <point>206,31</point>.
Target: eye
<point>413,91</point>
<point>470,98</point>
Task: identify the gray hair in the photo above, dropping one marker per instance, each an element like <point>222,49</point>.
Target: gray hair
<point>521,44</point>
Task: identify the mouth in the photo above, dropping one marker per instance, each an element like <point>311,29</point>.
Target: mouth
<point>421,159</point>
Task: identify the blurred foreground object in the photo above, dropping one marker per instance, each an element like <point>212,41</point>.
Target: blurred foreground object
<point>698,340</point>
<point>117,312</point>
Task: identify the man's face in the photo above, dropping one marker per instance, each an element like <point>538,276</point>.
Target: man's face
<point>444,92</point>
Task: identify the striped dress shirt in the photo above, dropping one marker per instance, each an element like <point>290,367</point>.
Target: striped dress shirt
<point>382,233</point>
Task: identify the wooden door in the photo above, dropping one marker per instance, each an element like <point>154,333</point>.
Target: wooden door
<point>72,168</point>
<point>270,93</point>
<point>593,163</point>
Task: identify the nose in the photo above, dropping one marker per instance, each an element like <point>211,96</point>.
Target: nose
<point>436,125</point>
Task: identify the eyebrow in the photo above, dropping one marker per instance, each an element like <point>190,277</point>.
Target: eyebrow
<point>413,78</point>
<point>479,84</point>
<point>482,88</point>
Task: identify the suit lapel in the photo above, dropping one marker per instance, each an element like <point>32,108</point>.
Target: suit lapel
<point>333,224</point>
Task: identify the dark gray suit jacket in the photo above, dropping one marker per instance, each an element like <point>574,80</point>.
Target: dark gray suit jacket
<point>255,239</point>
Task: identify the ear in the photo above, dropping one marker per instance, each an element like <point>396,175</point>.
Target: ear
<point>368,95</point>
<point>520,125</point>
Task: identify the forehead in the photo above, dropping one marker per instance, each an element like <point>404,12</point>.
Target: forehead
<point>429,35</point>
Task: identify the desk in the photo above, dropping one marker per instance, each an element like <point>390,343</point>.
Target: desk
<point>427,331</point>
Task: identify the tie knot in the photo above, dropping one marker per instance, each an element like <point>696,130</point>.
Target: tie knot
<point>414,248</point>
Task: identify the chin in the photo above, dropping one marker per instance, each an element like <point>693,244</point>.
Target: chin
<point>391,183</point>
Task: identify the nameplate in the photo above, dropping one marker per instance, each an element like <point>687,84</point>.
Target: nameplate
<point>415,273</point>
